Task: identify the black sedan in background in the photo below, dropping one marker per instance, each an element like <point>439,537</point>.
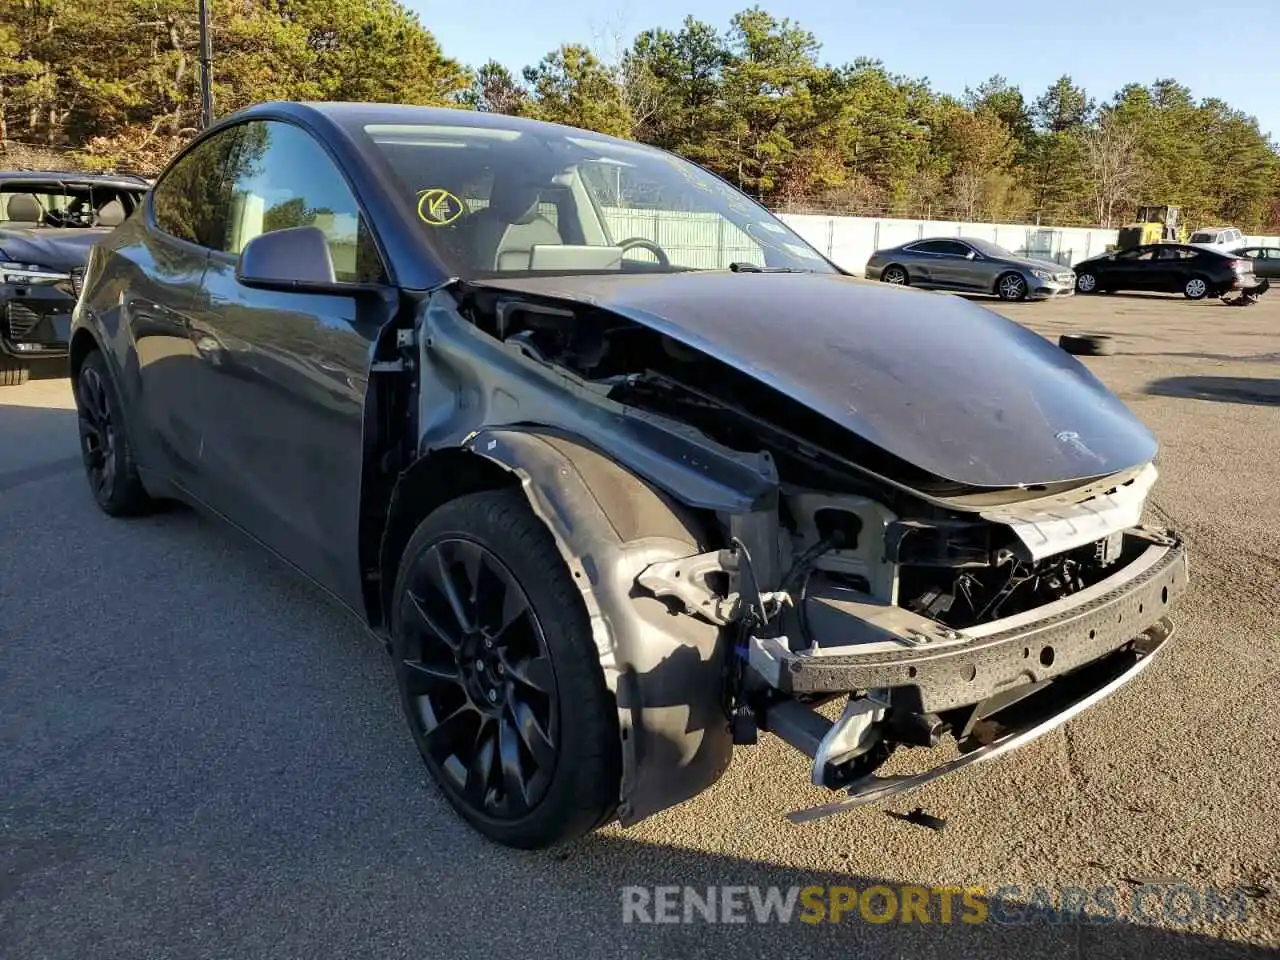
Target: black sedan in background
<point>1165,268</point>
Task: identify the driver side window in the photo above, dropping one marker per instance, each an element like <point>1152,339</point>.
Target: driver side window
<point>280,177</point>
<point>1129,256</point>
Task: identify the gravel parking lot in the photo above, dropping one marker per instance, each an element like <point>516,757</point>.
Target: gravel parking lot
<point>201,756</point>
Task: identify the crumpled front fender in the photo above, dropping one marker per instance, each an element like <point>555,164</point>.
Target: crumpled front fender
<point>666,670</point>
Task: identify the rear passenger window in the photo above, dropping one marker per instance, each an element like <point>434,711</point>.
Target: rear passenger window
<point>190,201</point>
<point>283,178</point>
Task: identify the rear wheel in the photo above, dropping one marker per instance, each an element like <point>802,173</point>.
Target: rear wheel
<point>1195,289</point>
<point>13,373</point>
<point>109,464</point>
<point>499,677</point>
<point>895,275</point>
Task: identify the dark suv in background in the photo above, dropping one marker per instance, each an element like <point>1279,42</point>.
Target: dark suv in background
<point>48,222</point>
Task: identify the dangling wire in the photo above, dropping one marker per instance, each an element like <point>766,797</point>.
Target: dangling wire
<point>755,611</point>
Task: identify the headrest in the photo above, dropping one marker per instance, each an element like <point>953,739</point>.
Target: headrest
<point>514,199</point>
<point>25,208</point>
<point>111,214</point>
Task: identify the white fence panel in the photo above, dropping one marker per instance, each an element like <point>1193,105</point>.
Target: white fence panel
<point>850,241</point>
<point>707,241</point>
<point>700,240</point>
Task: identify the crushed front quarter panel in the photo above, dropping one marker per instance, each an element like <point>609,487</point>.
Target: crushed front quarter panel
<point>667,672</point>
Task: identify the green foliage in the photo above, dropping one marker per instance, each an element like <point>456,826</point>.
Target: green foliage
<point>573,87</point>
<point>120,78</point>
<point>753,102</point>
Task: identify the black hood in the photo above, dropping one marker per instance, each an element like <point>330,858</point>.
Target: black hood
<point>942,383</point>
<point>60,249</point>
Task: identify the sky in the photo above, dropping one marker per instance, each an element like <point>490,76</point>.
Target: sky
<point>1218,49</point>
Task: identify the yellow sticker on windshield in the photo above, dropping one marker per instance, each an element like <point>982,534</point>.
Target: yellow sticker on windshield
<point>438,207</point>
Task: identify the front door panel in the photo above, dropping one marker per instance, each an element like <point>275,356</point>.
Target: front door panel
<point>282,392</point>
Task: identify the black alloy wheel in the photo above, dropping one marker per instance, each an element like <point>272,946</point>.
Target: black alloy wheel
<point>104,444</point>
<point>480,677</point>
<point>499,674</point>
<point>97,434</point>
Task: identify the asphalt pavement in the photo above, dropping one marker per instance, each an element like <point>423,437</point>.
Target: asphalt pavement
<point>203,756</point>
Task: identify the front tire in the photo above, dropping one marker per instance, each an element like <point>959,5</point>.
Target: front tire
<point>499,677</point>
<point>105,447</point>
<point>895,275</point>
<point>1011,287</point>
<point>1086,283</point>
<point>1195,289</point>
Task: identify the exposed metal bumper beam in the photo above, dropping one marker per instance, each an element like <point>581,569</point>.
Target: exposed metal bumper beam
<point>873,789</point>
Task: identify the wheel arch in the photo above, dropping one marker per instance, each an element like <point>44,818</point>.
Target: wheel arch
<point>901,266</point>
<point>665,672</point>
<point>431,481</point>
<point>83,343</point>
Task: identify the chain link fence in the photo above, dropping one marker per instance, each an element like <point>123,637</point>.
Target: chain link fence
<point>937,209</point>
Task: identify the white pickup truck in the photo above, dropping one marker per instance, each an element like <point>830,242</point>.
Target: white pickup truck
<point>1217,238</point>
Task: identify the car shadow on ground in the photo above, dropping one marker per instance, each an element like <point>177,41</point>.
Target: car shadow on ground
<point>35,443</point>
<point>616,867</point>
<point>1258,391</point>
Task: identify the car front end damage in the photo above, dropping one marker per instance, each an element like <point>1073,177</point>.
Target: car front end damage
<point>972,634</point>
<point>751,546</point>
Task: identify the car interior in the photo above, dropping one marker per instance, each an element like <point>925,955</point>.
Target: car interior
<point>46,205</point>
<point>530,206</point>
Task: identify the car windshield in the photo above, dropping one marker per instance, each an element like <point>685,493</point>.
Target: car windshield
<point>500,201</point>
<point>55,203</point>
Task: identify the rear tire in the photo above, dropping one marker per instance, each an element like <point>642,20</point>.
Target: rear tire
<point>1197,288</point>
<point>543,766</point>
<point>13,373</point>
<point>895,275</point>
<point>109,462</point>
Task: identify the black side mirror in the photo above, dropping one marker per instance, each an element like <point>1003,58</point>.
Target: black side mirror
<point>293,259</point>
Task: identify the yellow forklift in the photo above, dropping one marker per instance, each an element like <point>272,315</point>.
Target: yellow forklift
<point>1152,224</point>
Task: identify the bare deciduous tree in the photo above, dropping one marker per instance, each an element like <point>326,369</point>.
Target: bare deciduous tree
<point>966,191</point>
<point>1114,169</point>
<point>642,92</point>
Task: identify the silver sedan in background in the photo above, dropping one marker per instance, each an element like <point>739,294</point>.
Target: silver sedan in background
<point>972,266</point>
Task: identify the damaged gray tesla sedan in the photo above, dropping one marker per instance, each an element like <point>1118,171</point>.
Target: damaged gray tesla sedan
<point>622,471</point>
